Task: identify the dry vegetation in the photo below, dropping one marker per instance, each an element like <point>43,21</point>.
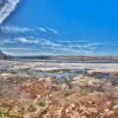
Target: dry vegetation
<point>89,95</point>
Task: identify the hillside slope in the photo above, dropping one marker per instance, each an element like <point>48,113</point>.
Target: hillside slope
<point>3,56</point>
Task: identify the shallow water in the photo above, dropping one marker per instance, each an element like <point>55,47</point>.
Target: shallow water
<point>61,74</point>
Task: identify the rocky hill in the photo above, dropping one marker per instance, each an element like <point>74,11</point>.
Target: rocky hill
<point>3,56</point>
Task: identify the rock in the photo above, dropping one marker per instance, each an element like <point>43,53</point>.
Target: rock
<point>115,107</point>
<point>3,56</point>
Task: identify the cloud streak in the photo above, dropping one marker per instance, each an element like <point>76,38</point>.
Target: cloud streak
<point>18,29</point>
<point>55,46</point>
<point>53,30</point>
<point>7,7</point>
<point>15,29</point>
<point>40,41</point>
<point>42,29</point>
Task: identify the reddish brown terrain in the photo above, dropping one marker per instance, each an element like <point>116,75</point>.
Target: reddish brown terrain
<point>84,58</point>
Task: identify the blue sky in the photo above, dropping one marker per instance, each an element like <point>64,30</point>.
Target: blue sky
<point>59,27</point>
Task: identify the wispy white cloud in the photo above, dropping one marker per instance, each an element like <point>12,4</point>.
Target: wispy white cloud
<point>22,40</point>
<point>42,29</point>
<point>40,41</point>
<point>6,41</point>
<point>42,44</point>
<point>25,40</point>
<point>53,30</point>
<point>24,51</point>
<point>89,45</point>
<point>73,41</point>
<point>6,8</point>
<point>19,29</point>
<point>50,43</point>
<point>67,48</point>
<point>15,29</point>
<point>18,49</point>
<point>47,29</point>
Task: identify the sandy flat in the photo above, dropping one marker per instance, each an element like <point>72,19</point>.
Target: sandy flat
<point>54,65</point>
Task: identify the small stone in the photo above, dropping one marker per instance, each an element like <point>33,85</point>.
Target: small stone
<point>106,110</point>
<point>73,106</point>
<point>110,113</point>
<point>108,102</point>
<point>115,107</point>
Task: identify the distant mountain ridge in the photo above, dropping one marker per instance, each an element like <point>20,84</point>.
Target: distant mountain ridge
<point>67,58</point>
<point>72,58</point>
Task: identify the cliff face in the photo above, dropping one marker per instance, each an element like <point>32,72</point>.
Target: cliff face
<point>3,56</point>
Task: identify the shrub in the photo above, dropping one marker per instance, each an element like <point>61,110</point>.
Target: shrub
<point>41,103</point>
